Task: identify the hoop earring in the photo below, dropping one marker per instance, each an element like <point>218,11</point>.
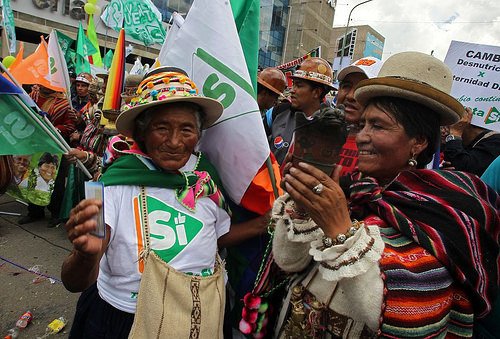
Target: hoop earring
<point>412,161</point>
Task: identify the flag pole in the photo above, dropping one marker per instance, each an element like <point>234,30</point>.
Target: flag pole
<point>55,135</point>
<point>66,77</point>
<point>272,176</point>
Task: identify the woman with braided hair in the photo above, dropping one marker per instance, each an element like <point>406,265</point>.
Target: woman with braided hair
<point>396,250</point>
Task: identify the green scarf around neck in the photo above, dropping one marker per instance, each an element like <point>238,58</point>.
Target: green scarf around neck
<point>130,170</point>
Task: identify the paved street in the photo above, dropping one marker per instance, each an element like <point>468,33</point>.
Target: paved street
<point>24,247</point>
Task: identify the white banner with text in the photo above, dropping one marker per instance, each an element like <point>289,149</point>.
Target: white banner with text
<point>476,80</point>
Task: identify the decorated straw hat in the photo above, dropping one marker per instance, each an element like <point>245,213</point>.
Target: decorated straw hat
<point>316,70</point>
<point>272,79</point>
<point>162,86</point>
<point>416,77</point>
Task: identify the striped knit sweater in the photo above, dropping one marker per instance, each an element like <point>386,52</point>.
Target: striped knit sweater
<point>421,300</point>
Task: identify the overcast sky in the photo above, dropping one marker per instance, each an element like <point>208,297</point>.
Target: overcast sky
<point>425,25</point>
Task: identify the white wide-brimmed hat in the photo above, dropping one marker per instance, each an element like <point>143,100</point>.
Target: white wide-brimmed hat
<point>416,77</point>
<point>166,85</point>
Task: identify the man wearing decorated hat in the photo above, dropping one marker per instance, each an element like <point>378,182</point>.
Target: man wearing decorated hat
<point>271,83</point>
<point>311,82</point>
<point>80,103</point>
<point>349,77</point>
<point>92,138</point>
<point>164,213</point>
<point>82,83</point>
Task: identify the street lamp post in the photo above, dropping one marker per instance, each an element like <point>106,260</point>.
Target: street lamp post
<point>290,7</point>
<point>287,32</point>
<point>300,45</point>
<point>345,34</point>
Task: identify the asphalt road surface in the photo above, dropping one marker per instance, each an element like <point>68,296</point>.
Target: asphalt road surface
<point>36,247</point>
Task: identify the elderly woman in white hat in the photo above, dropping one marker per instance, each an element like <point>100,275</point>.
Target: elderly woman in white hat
<point>399,251</point>
<point>157,266</point>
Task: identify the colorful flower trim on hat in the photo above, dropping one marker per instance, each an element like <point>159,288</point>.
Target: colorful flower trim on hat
<point>162,94</point>
<point>164,79</point>
<point>312,75</point>
<point>163,85</point>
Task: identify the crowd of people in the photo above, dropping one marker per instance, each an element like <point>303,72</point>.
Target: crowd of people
<point>382,244</point>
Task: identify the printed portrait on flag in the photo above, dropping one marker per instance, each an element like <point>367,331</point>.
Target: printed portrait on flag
<point>20,167</point>
<point>34,177</point>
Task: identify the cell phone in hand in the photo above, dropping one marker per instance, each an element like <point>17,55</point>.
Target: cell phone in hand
<point>95,190</point>
<point>318,139</point>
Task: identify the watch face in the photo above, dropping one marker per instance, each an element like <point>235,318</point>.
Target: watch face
<point>449,138</point>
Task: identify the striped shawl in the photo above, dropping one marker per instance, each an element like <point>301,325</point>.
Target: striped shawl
<point>453,215</point>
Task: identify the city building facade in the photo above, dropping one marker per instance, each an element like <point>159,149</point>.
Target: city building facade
<point>309,25</point>
<point>288,28</point>
<point>274,16</point>
<point>360,41</point>
<point>39,17</point>
<point>168,7</point>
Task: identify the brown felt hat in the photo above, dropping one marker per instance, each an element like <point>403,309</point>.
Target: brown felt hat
<point>416,77</point>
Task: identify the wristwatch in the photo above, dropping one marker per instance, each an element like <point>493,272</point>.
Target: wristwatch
<point>450,137</point>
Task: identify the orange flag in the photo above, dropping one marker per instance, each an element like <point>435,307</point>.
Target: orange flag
<point>19,56</point>
<point>259,196</point>
<point>35,69</point>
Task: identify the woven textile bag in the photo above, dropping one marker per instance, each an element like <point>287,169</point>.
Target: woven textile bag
<point>173,304</point>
